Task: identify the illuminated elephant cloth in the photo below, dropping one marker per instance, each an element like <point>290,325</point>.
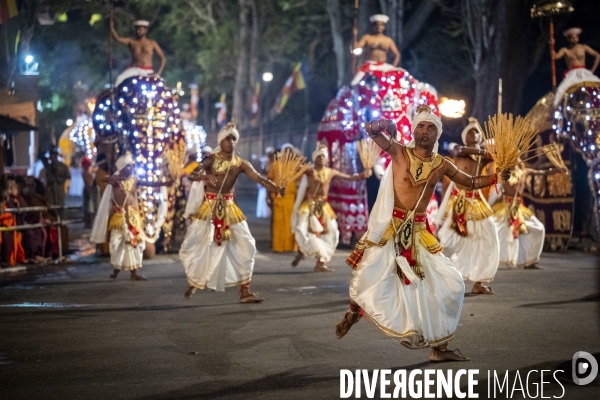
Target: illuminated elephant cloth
<point>383,92</point>
<point>144,112</point>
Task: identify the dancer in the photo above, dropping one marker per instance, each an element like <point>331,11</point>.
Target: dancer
<point>521,234</point>
<point>218,249</point>
<point>118,212</point>
<point>574,55</point>
<point>142,50</point>
<point>401,280</point>
<point>467,230</point>
<point>313,222</point>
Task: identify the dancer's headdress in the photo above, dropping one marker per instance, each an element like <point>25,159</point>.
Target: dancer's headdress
<point>424,114</point>
<point>572,31</point>
<point>472,125</point>
<point>379,18</point>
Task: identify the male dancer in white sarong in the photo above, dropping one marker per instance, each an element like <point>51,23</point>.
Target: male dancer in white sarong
<point>467,230</point>
<point>313,220</point>
<point>118,213</point>
<point>401,280</point>
<point>218,249</point>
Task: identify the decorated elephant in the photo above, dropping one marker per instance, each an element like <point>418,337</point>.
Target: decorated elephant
<point>141,116</point>
<point>380,93</point>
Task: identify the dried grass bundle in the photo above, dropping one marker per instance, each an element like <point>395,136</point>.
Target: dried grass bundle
<point>552,151</point>
<point>369,153</point>
<point>175,159</point>
<point>507,139</point>
<point>287,167</point>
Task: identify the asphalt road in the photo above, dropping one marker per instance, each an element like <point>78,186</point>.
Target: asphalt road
<point>71,333</point>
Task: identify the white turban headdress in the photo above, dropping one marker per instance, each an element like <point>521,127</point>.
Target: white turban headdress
<point>379,18</point>
<point>123,161</point>
<point>472,125</point>
<point>320,151</point>
<point>287,146</point>
<point>141,22</point>
<point>424,114</point>
<point>572,31</point>
<point>229,129</point>
<point>207,149</point>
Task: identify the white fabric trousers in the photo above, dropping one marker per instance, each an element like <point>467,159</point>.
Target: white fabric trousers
<point>130,73</point>
<point>429,308</point>
<point>573,77</point>
<point>208,265</point>
<point>322,246</point>
<point>123,255</point>
<point>262,208</point>
<point>476,255</point>
<point>526,249</point>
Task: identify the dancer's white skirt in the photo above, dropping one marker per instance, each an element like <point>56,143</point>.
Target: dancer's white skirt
<point>322,246</point>
<point>208,265</point>
<point>122,254</point>
<point>524,250</point>
<point>476,255</point>
<point>428,309</point>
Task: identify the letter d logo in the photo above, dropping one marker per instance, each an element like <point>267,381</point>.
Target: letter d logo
<point>585,368</point>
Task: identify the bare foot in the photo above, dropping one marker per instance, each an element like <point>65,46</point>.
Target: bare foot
<point>137,277</point>
<point>438,355</point>
<point>299,257</point>
<point>321,267</point>
<point>344,326</point>
<point>251,298</point>
<point>188,293</point>
<point>478,288</point>
<point>533,266</point>
<point>114,274</point>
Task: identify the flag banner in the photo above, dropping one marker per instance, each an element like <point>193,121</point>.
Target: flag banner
<point>222,114</point>
<point>296,82</point>
<point>8,9</point>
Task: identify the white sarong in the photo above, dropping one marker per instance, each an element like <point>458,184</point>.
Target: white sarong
<point>122,254</point>
<point>476,254</point>
<point>526,249</point>
<point>573,77</point>
<point>130,72</point>
<point>213,260</point>
<point>316,237</point>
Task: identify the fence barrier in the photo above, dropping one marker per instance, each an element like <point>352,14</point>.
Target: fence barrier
<point>58,223</point>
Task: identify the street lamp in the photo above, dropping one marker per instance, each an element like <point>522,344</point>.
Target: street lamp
<point>357,51</point>
<point>267,76</point>
<point>69,122</point>
<point>28,59</point>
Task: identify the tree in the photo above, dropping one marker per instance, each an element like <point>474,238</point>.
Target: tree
<point>501,43</point>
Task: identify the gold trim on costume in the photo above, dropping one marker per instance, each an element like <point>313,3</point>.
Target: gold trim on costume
<point>475,208</point>
<point>412,332</point>
<point>220,165</point>
<point>231,211</point>
<point>128,184</point>
<point>203,287</point>
<point>420,170</point>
